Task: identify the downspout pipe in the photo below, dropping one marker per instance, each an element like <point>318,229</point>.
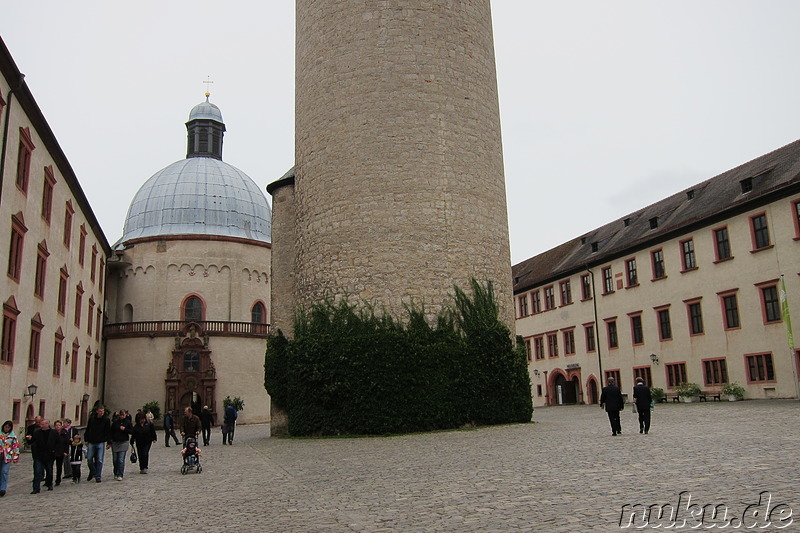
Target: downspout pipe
<point>596,329</point>
<point>11,91</point>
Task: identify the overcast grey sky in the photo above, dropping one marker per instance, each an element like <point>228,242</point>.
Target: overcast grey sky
<point>606,107</point>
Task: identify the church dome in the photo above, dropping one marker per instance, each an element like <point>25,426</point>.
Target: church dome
<point>200,195</point>
<point>205,111</point>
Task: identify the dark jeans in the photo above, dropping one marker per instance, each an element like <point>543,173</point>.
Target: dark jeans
<point>42,470</point>
<point>170,433</point>
<point>206,436</point>
<point>76,472</point>
<point>613,417</point>
<point>227,433</point>
<point>59,468</point>
<point>644,419</point>
<point>143,454</point>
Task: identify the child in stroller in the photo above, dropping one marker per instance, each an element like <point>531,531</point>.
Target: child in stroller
<point>191,456</point>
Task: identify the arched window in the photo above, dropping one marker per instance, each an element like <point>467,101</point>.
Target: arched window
<point>191,361</point>
<point>127,313</point>
<point>258,315</point>
<point>193,309</point>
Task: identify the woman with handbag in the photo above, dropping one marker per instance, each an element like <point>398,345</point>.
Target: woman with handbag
<point>143,435</point>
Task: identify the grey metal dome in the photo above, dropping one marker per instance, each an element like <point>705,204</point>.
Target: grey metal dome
<point>207,111</point>
<point>199,196</point>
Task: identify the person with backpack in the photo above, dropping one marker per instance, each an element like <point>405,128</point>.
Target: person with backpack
<point>229,425</point>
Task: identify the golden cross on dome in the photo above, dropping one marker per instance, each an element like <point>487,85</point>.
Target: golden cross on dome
<point>208,82</point>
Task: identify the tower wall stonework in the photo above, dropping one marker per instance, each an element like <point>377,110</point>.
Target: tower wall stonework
<point>282,297</point>
<point>399,183</point>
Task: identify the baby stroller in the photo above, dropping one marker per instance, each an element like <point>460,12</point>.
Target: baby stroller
<point>191,457</point>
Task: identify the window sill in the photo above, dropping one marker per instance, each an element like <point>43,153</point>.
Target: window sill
<point>685,270</point>
<point>659,279</point>
<point>633,285</point>
<point>723,260</point>
<point>566,304</point>
<point>756,250</point>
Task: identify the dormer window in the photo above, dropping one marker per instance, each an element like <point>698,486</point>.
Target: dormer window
<point>595,246</point>
<point>654,223</point>
<point>627,222</point>
<point>690,194</point>
<point>747,185</point>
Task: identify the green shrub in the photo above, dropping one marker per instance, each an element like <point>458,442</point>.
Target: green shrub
<point>688,389</point>
<point>348,371</point>
<point>657,393</point>
<point>236,402</point>
<point>733,389</point>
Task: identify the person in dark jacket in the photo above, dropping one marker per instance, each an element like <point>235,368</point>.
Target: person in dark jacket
<point>206,420</point>
<point>611,398</point>
<point>62,447</point>
<point>70,431</point>
<point>143,435</point>
<point>229,424</point>
<point>120,433</point>
<point>43,449</point>
<point>643,399</point>
<point>97,437</point>
<point>169,428</point>
<point>191,425</point>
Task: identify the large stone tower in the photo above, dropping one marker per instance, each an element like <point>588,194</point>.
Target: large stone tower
<point>398,191</point>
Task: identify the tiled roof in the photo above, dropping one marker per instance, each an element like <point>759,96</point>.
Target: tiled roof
<point>773,175</point>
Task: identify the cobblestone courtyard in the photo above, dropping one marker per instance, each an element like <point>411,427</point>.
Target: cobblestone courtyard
<point>563,473</point>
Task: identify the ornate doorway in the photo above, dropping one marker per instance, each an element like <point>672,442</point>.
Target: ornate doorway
<point>191,375</point>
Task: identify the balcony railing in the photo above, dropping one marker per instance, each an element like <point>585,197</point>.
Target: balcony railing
<point>170,328</point>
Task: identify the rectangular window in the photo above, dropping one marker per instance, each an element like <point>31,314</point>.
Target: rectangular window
<point>537,302</point>
<point>94,263</point>
<point>630,272</point>
<point>730,307</point>
<point>659,270</point>
<point>569,342</point>
<point>73,368</point>
<point>87,367</point>
<point>589,331</point>
<point>16,411</point>
<point>722,244</point>
<point>695,318</point>
<point>41,270</point>
<point>676,374</point>
<point>664,325</point>
<point>82,245</point>
<point>549,298</point>
<point>528,350</point>
<point>637,333</point>
<point>33,348</point>
<point>78,304</point>
<point>538,347</point>
<point>796,218</point>
<point>523,305</point>
<point>96,369</point>
<point>47,194</point>
<point>758,225</point>
<point>18,231</point>
<point>771,303</point>
<point>615,375</point>
<point>759,367</point>
<point>566,292</point>
<point>62,292</point>
<point>552,345</point>
<point>586,287</point>
<point>611,327</point>
<point>644,373</point>
<point>68,212</point>
<point>102,273</point>
<point>715,371</point>
<point>608,281</point>
<point>687,255</point>
<point>89,316</point>
<point>57,347</point>
<point>24,156</point>
<point>9,335</point>
<point>97,324</point>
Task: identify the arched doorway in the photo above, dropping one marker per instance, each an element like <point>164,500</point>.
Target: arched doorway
<point>566,392</point>
<point>591,389</point>
<point>191,375</point>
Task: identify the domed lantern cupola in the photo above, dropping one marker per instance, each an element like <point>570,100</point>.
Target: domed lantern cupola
<point>205,130</point>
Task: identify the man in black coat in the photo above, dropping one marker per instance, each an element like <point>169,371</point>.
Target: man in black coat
<point>97,437</point>
<point>169,428</point>
<point>43,449</point>
<point>207,420</point>
<point>611,398</point>
<point>643,399</point>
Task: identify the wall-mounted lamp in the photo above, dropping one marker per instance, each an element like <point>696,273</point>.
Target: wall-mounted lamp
<point>31,391</point>
<point>85,398</point>
<point>654,358</point>
<point>536,372</point>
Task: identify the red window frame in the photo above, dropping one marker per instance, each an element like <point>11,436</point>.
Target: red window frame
<point>47,194</point>
<point>16,246</point>
<point>24,158</point>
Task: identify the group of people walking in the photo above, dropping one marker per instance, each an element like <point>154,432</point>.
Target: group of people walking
<point>613,402</point>
<point>59,451</point>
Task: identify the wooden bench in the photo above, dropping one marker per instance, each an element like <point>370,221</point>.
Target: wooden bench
<point>706,394</point>
<point>670,396</point>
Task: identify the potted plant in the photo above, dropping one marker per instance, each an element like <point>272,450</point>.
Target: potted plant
<point>733,391</point>
<point>688,392</point>
<point>657,393</point>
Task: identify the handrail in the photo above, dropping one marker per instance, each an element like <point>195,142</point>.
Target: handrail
<point>169,328</point>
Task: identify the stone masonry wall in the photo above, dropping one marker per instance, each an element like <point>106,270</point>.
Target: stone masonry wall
<point>400,191</point>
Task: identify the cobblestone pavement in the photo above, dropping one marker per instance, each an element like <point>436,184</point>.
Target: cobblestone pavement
<point>563,473</point>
